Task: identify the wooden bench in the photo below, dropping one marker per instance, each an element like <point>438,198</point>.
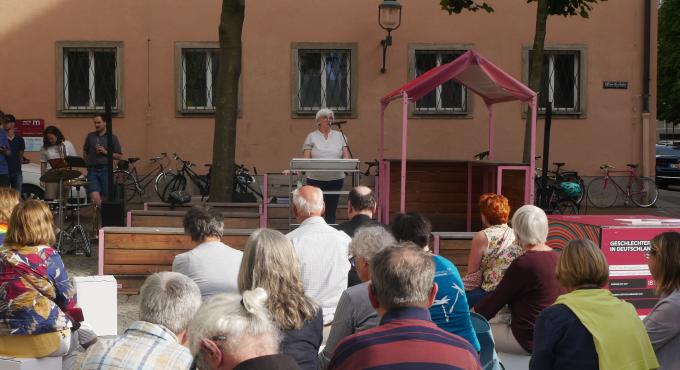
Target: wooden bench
<point>455,246</point>
<point>133,253</point>
<point>224,207</point>
<point>232,220</point>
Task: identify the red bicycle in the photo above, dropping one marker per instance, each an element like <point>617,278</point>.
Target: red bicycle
<point>603,191</point>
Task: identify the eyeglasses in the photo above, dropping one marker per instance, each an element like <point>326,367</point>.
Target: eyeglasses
<point>194,363</point>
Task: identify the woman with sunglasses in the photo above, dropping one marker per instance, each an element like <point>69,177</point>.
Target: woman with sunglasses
<point>663,323</point>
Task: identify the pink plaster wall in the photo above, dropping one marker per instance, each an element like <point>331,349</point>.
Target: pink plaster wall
<point>267,135</point>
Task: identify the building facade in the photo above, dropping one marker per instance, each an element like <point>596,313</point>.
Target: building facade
<point>157,61</point>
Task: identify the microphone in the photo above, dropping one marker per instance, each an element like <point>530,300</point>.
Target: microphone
<point>338,123</point>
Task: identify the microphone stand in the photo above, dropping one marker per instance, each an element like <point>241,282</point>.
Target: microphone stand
<point>344,139</point>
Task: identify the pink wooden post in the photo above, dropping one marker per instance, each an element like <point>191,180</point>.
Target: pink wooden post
<point>381,162</point>
<point>491,129</point>
<point>529,184</point>
<point>436,244</point>
<point>146,206</point>
<point>469,197</point>
<point>129,219</point>
<point>386,191</point>
<point>404,137</point>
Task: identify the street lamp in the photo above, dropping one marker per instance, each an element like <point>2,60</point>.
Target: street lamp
<point>389,19</point>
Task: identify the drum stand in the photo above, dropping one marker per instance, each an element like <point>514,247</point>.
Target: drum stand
<point>75,233</point>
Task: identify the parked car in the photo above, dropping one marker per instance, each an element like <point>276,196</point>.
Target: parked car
<point>32,188</point>
<point>667,166</point>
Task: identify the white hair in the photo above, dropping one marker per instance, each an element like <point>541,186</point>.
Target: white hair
<point>169,299</point>
<point>242,321</point>
<point>308,207</point>
<point>530,225</point>
<point>324,112</point>
<point>370,240</point>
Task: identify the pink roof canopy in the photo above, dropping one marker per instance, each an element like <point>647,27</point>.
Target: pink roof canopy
<point>477,74</point>
<point>474,72</point>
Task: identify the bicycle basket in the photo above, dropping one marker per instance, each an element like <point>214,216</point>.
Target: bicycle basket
<point>571,189</point>
<point>123,165</point>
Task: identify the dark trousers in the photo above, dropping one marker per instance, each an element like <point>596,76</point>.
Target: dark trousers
<point>4,180</point>
<point>331,200</point>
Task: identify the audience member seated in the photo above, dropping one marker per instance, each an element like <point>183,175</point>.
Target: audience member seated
<point>212,265</point>
<point>663,323</point>
<point>402,288</point>
<point>528,286</point>
<point>355,312</point>
<point>9,198</point>
<point>168,301</point>
<point>450,310</point>
<point>493,249</point>
<point>234,332</point>
<point>269,262</point>
<point>588,328</point>
<point>321,250</point>
<point>38,312</point>
<point>361,206</point>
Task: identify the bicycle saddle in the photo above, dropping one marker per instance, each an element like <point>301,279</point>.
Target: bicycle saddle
<point>633,165</point>
<point>559,164</point>
<point>133,159</point>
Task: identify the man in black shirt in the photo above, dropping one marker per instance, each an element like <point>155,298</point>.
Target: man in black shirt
<point>17,146</point>
<point>360,210</point>
<point>95,153</point>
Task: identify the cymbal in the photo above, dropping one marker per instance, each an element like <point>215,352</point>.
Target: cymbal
<point>56,174</point>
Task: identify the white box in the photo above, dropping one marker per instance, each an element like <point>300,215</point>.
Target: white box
<point>97,296</point>
<point>15,363</point>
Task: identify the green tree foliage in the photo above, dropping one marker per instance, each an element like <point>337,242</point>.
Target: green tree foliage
<point>457,6</point>
<point>668,83</point>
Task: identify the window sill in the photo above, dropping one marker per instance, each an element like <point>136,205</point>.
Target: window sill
<point>307,114</point>
<point>88,113</point>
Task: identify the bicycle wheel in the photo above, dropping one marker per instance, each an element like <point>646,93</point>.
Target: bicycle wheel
<point>178,182</point>
<point>601,193</point>
<point>161,181</point>
<point>643,192</point>
<point>129,183</point>
<point>567,207</point>
<point>577,179</point>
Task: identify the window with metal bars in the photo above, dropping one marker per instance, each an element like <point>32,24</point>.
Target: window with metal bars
<point>561,82</point>
<point>90,77</point>
<point>323,80</point>
<point>198,86</point>
<point>449,97</point>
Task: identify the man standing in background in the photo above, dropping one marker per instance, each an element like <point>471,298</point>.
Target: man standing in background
<point>17,146</point>
<point>95,152</point>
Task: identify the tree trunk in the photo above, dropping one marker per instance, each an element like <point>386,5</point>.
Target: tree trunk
<point>535,68</point>
<point>226,107</point>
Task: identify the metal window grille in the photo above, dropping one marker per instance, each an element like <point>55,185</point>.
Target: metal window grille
<point>324,80</point>
<point>89,78</point>
<point>561,83</point>
<point>199,79</point>
<point>449,97</point>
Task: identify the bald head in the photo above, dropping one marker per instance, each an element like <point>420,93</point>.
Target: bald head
<point>361,201</point>
<point>308,202</point>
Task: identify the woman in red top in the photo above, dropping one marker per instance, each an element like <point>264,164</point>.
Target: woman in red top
<point>528,286</point>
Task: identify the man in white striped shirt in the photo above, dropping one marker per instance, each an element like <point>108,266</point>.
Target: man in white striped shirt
<point>321,250</point>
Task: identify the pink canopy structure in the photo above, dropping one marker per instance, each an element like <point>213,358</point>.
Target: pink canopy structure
<point>477,74</point>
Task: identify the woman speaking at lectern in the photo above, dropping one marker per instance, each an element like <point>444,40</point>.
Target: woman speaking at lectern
<point>325,143</point>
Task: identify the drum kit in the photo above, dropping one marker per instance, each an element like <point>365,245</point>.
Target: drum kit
<point>74,234</point>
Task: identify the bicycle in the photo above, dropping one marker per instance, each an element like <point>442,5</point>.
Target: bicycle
<point>559,177</point>
<point>642,191</point>
<point>178,182</point>
<point>244,189</point>
<point>135,185</point>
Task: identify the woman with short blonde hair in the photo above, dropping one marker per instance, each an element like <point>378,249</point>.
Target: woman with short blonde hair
<point>41,326</point>
<point>269,262</point>
<point>663,322</point>
<point>589,328</point>
<point>9,198</point>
